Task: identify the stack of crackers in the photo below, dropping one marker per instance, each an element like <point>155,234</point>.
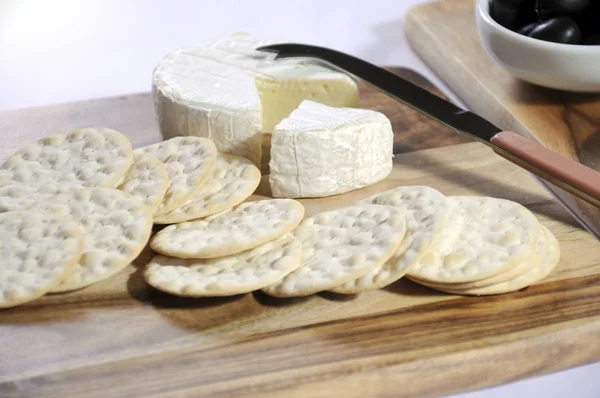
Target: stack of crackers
<point>78,207</point>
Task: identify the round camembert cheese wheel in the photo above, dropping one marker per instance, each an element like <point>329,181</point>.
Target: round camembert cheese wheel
<point>229,92</point>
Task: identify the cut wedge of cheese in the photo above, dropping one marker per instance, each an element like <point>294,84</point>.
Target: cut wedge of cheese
<point>229,92</point>
<point>321,151</point>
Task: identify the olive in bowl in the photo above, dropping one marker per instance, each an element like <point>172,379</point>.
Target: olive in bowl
<point>558,65</point>
<point>557,21</point>
<point>557,30</point>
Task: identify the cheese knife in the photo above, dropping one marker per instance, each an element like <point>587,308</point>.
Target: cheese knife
<point>570,175</point>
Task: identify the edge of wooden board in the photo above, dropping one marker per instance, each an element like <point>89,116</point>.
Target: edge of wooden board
<point>423,372</point>
<point>480,98</point>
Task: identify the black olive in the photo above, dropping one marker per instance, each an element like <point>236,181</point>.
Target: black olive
<point>527,14</point>
<point>525,30</point>
<point>558,30</point>
<point>504,12</point>
<point>549,8</point>
<point>512,14</point>
<point>593,40</point>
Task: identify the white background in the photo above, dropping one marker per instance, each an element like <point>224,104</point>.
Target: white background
<point>66,50</point>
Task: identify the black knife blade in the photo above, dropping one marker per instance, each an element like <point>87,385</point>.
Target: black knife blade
<point>402,90</point>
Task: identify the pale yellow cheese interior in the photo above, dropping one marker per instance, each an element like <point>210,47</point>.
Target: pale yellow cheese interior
<point>280,97</point>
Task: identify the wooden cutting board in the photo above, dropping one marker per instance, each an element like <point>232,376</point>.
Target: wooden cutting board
<point>121,338</point>
<point>444,34</point>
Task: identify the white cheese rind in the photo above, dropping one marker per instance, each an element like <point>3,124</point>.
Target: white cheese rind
<point>322,151</point>
<point>214,89</point>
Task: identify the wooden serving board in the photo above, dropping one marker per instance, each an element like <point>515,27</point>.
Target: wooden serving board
<point>121,338</point>
<point>444,34</point>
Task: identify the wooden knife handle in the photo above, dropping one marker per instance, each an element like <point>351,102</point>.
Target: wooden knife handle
<point>551,166</point>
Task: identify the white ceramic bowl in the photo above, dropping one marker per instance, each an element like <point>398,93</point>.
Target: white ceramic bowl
<point>554,65</point>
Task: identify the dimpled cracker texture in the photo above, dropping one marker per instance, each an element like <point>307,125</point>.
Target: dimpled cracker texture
<point>82,158</point>
<point>341,245</point>
<point>37,249</point>
<point>548,262</point>
<point>533,261</point>
<point>116,227</point>
<point>147,180</point>
<point>189,161</point>
<point>232,181</point>
<point>426,211</point>
<point>249,225</point>
<point>483,237</point>
<point>225,276</point>
<point>219,214</point>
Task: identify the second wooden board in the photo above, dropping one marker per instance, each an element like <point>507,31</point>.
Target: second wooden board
<point>444,34</point>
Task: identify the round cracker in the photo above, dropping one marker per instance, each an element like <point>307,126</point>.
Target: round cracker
<point>232,181</point>
<point>82,158</point>
<point>219,214</point>
<point>426,211</point>
<point>483,237</point>
<point>533,261</point>
<point>147,180</point>
<point>116,227</point>
<point>226,276</point>
<point>37,249</point>
<point>189,162</point>
<point>249,225</point>
<point>341,245</point>
<point>550,259</point>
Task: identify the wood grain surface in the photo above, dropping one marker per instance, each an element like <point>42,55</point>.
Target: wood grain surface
<point>444,34</point>
<point>121,338</point>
